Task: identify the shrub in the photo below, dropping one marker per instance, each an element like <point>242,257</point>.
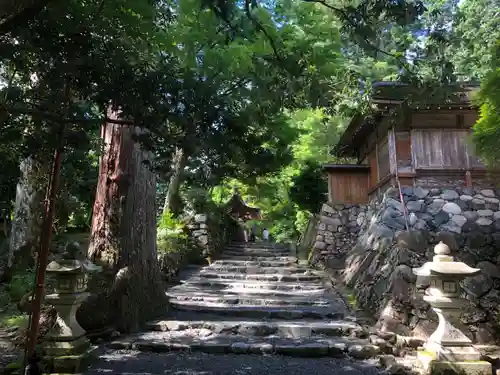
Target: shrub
<point>172,234</point>
<point>20,284</point>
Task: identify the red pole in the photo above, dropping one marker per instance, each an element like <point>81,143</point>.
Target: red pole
<point>43,255</point>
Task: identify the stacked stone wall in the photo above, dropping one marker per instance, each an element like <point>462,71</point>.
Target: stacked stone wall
<point>378,254</point>
<point>199,230</point>
<point>336,233</point>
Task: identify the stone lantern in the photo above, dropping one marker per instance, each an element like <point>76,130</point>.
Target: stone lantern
<point>67,338</point>
<point>448,348</point>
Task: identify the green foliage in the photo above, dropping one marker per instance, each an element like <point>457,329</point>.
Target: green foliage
<point>20,284</point>
<point>10,293</point>
<point>476,34</point>
<point>255,96</point>
<point>309,188</point>
<point>198,200</point>
<point>170,223</point>
<point>487,129</point>
<point>285,199</point>
<point>171,234</point>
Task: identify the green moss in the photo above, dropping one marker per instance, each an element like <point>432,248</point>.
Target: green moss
<point>10,294</point>
<point>427,353</point>
<point>351,298</point>
<point>14,321</point>
<point>14,365</point>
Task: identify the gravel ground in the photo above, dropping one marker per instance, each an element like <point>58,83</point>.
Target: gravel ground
<point>136,363</point>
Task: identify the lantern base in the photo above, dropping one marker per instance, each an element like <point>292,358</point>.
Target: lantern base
<point>69,364</point>
<point>432,364</point>
<point>65,348</point>
<point>452,353</point>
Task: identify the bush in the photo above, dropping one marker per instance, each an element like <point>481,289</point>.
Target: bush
<point>172,235</point>
<point>20,284</point>
<point>10,294</point>
<point>174,244</point>
<point>309,188</point>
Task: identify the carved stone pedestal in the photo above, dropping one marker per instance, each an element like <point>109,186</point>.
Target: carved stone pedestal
<point>69,364</point>
<point>448,350</point>
<point>66,349</point>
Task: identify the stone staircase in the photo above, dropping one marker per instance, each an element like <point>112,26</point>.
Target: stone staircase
<point>257,299</point>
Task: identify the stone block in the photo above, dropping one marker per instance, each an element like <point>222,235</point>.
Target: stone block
<point>459,368</point>
<point>200,218</point>
<point>432,365</point>
<point>329,221</point>
<point>326,208</point>
<point>203,240</point>
<point>452,208</point>
<point>69,364</point>
<point>319,245</point>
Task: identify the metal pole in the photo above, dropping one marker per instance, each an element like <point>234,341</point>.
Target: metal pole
<point>43,255</point>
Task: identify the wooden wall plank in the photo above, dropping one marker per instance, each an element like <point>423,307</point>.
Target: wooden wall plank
<point>383,160</point>
<point>443,149</point>
<point>454,149</point>
<point>403,151</point>
<point>434,120</point>
<point>391,142</point>
<point>406,181</point>
<point>473,161</point>
<point>372,159</point>
<point>470,119</point>
<point>349,188</point>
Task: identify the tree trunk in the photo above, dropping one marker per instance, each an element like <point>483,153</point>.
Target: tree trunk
<point>26,226</point>
<point>172,199</point>
<point>123,236</point>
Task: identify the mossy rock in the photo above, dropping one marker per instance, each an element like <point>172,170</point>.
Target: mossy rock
<point>13,368</point>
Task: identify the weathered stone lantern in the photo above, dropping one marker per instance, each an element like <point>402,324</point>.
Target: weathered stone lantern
<point>448,348</point>
<point>67,338</point>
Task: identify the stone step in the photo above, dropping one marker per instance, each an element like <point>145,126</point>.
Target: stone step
<point>259,277</point>
<point>265,285</point>
<point>204,341</point>
<point>335,310</point>
<point>257,270</point>
<point>251,249</point>
<point>233,255</point>
<point>215,290</point>
<point>257,258</point>
<point>259,244</point>
<point>237,299</point>
<point>253,263</point>
<point>259,328</point>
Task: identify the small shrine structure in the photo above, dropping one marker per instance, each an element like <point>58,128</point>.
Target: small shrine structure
<point>237,208</point>
<point>411,138</point>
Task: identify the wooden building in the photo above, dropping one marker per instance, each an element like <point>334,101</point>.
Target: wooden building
<point>407,141</point>
<point>237,208</point>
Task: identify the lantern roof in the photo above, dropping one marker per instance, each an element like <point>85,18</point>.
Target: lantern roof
<point>71,266</point>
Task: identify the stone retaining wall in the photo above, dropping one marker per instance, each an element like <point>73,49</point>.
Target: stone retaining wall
<point>199,230</point>
<point>212,232</point>
<point>378,267</point>
<point>336,233</point>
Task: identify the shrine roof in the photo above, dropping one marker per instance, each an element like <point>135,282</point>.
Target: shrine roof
<point>389,99</point>
<point>236,206</point>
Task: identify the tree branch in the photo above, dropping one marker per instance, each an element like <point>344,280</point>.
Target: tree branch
<point>345,16</point>
<point>20,17</point>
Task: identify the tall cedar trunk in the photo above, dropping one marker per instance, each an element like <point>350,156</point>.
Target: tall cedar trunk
<point>26,226</point>
<point>123,237</point>
<point>172,198</point>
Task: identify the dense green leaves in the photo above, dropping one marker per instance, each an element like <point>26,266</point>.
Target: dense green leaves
<point>309,189</point>
<point>254,93</point>
<point>487,129</point>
